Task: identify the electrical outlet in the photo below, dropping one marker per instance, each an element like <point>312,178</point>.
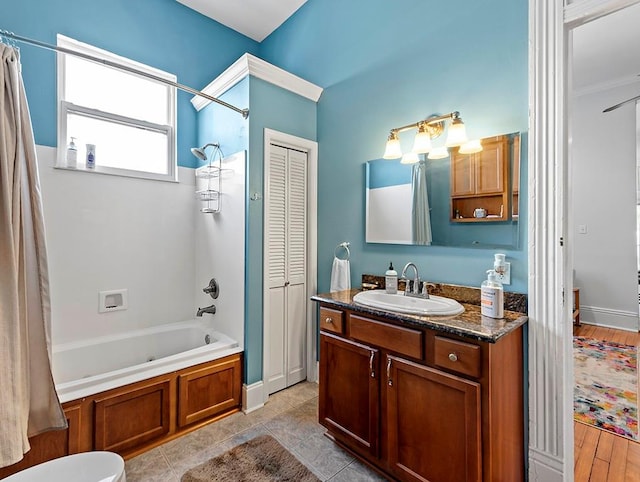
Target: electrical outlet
<point>505,278</point>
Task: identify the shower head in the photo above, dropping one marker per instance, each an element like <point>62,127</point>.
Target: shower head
<point>199,151</point>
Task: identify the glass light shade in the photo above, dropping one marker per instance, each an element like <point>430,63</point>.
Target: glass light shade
<point>438,153</point>
<point>393,150</point>
<point>422,143</point>
<point>471,147</point>
<point>410,158</point>
<point>457,134</point>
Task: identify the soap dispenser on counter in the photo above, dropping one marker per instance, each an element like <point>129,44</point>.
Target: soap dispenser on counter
<point>492,296</point>
<point>391,280</point>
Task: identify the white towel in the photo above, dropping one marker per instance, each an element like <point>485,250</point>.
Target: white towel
<point>340,275</point>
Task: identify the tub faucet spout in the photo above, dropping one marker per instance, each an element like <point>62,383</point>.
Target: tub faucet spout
<point>209,309</point>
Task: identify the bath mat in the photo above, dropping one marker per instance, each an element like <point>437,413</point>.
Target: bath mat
<point>606,388</point>
<point>260,459</point>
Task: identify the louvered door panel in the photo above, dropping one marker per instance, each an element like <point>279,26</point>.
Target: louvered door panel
<point>275,222</point>
<point>286,267</point>
<point>297,217</point>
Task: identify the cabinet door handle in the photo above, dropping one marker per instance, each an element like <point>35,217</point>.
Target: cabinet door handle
<point>371,358</point>
<point>286,283</point>
<point>453,357</point>
<point>389,381</point>
<point>329,320</point>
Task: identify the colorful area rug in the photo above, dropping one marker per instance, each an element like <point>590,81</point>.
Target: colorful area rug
<point>606,388</point>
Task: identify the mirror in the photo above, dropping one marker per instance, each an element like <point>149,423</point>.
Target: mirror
<point>470,200</point>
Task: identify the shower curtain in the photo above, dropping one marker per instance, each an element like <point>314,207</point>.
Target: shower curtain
<point>28,402</point>
<point>420,213</point>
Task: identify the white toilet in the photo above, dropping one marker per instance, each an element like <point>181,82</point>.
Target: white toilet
<point>84,467</point>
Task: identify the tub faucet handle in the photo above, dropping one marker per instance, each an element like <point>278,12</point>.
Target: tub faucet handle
<point>212,289</point>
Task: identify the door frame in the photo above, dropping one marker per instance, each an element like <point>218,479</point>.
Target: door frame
<point>311,147</point>
<point>550,331</point>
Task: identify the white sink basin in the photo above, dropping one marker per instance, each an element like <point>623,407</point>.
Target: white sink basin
<point>399,303</point>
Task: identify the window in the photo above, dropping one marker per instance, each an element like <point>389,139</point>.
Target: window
<point>129,118</point>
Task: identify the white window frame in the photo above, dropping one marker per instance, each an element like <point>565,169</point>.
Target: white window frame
<point>65,107</point>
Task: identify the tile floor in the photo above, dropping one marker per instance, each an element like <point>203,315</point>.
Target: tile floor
<point>290,416</point>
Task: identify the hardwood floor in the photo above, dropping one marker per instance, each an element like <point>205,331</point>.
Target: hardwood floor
<point>599,455</point>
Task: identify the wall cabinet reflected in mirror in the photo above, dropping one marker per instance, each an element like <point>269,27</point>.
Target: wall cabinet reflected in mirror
<point>467,200</point>
<point>480,182</point>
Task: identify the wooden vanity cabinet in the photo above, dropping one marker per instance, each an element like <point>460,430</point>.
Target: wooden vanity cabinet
<point>450,411</point>
<point>349,406</point>
<point>432,423</point>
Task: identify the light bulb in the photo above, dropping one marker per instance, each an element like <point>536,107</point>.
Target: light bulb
<point>457,134</point>
<point>422,141</point>
<point>410,158</point>
<point>438,153</point>
<point>471,147</point>
<point>392,150</point>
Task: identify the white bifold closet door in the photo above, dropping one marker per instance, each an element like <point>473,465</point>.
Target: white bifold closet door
<point>286,264</point>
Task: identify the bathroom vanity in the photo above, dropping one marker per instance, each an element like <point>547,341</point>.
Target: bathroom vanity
<point>423,398</point>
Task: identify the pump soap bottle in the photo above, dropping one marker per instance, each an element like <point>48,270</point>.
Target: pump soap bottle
<point>492,296</point>
<point>72,155</point>
<point>391,280</point>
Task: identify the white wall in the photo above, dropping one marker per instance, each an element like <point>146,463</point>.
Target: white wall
<point>109,232</point>
<point>221,251</point>
<point>603,195</point>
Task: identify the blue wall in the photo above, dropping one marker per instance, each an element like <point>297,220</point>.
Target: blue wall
<point>385,65</point>
<point>274,108</point>
<point>160,33</point>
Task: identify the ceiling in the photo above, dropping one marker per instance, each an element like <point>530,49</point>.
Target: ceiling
<point>606,51</point>
<point>254,18</point>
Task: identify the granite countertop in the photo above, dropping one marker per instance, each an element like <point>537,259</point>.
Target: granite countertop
<point>470,324</point>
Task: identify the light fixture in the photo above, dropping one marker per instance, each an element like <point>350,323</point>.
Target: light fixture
<point>393,150</point>
<point>410,158</point>
<point>428,129</point>
<point>470,147</point>
<point>439,152</point>
<point>422,142</point>
<point>457,133</point>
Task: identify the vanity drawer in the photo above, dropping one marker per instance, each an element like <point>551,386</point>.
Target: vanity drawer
<point>395,338</point>
<point>457,356</point>
<point>331,320</point>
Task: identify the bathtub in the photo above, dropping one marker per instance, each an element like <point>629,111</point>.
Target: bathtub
<point>91,366</point>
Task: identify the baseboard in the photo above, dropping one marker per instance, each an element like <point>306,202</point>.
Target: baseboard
<point>544,467</point>
<point>606,317</point>
<point>252,396</point>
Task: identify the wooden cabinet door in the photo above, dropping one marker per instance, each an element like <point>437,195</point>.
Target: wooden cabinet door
<point>128,418</point>
<point>349,392</point>
<point>462,175</point>
<point>490,167</point>
<point>433,422</point>
<point>209,391</point>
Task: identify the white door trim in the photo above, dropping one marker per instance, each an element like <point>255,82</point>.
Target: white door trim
<point>550,264</point>
<point>311,147</point>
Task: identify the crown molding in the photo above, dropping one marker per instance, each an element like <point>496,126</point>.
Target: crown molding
<point>251,65</point>
<point>578,12</point>
<point>608,85</point>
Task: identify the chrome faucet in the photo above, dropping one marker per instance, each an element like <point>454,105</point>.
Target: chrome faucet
<point>414,287</point>
<point>209,309</point>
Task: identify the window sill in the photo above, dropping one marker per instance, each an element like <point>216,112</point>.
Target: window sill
<point>110,171</point>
